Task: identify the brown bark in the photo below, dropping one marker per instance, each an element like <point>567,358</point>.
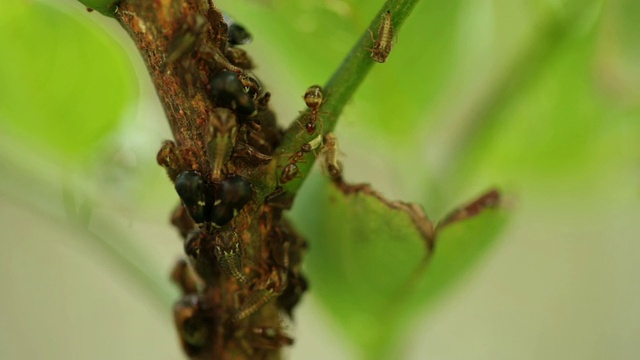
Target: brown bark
<point>233,304</point>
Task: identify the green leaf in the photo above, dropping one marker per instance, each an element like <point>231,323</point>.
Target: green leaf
<point>65,86</point>
<point>65,83</point>
<point>369,264</point>
<point>458,247</point>
<point>538,119</point>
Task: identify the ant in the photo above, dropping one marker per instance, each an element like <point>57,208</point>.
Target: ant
<point>313,98</point>
<point>291,170</point>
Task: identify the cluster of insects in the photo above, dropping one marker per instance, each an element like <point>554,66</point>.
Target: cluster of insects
<point>243,257</point>
<point>241,278</point>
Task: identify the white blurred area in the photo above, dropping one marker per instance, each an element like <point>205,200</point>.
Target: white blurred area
<point>562,285</point>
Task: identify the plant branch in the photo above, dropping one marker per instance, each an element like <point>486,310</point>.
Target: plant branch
<point>105,7</point>
<point>338,91</point>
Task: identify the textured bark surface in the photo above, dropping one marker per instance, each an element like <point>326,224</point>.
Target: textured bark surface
<point>234,302</point>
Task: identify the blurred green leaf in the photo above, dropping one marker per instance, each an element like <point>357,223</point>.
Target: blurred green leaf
<point>540,114</point>
<point>458,247</point>
<point>65,82</point>
<point>369,264</point>
<point>65,86</point>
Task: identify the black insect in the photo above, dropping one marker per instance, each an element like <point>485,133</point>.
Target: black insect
<point>228,91</point>
<point>191,188</point>
<point>234,193</point>
<point>292,294</point>
<point>238,35</point>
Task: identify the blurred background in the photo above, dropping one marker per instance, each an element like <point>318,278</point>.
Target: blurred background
<point>538,97</point>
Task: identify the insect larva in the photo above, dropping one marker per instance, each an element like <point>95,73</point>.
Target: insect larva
<point>228,252</point>
<point>223,128</point>
<point>330,152</point>
<point>384,42</point>
<point>257,300</point>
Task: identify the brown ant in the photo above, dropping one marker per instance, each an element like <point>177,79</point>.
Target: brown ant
<point>291,170</point>
<point>383,44</point>
<point>313,98</point>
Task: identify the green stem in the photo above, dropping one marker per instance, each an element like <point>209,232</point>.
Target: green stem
<point>339,90</point>
<point>105,7</point>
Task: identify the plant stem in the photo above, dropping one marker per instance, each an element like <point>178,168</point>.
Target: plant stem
<point>105,7</point>
<point>339,90</point>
